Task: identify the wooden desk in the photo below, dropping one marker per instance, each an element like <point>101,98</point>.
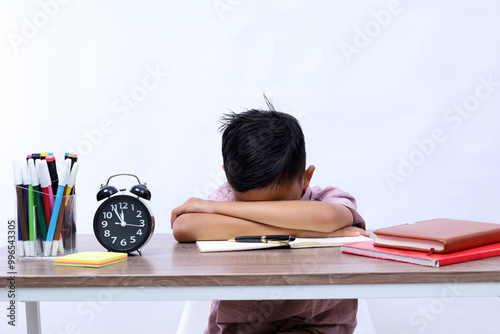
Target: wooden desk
<point>172,271</point>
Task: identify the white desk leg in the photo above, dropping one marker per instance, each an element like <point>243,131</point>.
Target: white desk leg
<point>33,323</point>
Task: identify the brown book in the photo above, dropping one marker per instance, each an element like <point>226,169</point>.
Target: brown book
<point>441,235</point>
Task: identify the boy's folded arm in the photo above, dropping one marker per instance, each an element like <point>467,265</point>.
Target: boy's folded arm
<point>297,215</point>
<point>191,227</point>
<point>321,217</point>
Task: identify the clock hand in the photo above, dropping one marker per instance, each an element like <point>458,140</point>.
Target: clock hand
<point>123,218</point>
<point>125,224</point>
<point>119,217</point>
<point>142,225</point>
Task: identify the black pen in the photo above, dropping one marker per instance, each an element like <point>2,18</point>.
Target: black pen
<point>265,238</point>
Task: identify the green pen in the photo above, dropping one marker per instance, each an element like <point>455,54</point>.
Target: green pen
<point>40,215</point>
<point>31,210</point>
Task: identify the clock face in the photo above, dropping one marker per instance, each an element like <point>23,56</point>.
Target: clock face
<point>123,223</point>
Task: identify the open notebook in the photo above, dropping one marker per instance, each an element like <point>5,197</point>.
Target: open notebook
<point>228,246</point>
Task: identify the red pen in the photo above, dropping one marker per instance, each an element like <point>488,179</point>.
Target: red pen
<point>48,195</point>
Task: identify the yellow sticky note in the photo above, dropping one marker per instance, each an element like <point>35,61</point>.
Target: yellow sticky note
<point>90,259</point>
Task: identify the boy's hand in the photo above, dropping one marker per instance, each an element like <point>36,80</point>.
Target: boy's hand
<point>192,205</point>
<point>349,231</point>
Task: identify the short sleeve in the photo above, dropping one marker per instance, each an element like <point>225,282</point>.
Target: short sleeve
<point>338,196</point>
<point>222,194</point>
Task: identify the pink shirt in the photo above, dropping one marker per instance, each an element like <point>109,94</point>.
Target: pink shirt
<point>329,316</point>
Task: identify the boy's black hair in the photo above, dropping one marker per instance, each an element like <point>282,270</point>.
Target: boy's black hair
<point>262,148</point>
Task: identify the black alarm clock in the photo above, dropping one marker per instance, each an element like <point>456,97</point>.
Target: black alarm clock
<point>124,222</point>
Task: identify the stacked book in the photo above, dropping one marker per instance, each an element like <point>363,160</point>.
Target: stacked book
<point>432,243</point>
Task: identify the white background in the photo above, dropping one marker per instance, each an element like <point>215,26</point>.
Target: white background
<point>399,102</point>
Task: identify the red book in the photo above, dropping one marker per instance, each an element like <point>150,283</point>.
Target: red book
<point>367,248</point>
<point>441,235</point>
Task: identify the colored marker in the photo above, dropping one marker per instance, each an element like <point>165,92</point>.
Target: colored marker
<point>18,183</point>
<point>48,195</point>
<point>26,181</point>
<point>71,181</point>
<point>20,241</point>
<point>21,207</point>
<point>57,244</point>
<point>37,194</point>
<point>51,163</point>
<point>74,158</point>
<point>57,212</point>
<point>31,211</point>
<point>69,191</point>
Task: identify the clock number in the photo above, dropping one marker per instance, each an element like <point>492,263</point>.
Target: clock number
<point>123,223</point>
<point>120,205</point>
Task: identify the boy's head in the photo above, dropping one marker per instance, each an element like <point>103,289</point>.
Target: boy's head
<point>263,150</point>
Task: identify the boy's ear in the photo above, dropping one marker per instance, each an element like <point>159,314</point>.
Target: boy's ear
<point>308,176</point>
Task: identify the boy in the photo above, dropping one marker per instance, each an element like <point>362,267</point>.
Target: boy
<point>268,192</point>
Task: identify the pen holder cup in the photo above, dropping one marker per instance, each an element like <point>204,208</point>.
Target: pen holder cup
<point>46,224</point>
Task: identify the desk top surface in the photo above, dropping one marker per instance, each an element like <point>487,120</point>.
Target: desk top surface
<point>167,263</point>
